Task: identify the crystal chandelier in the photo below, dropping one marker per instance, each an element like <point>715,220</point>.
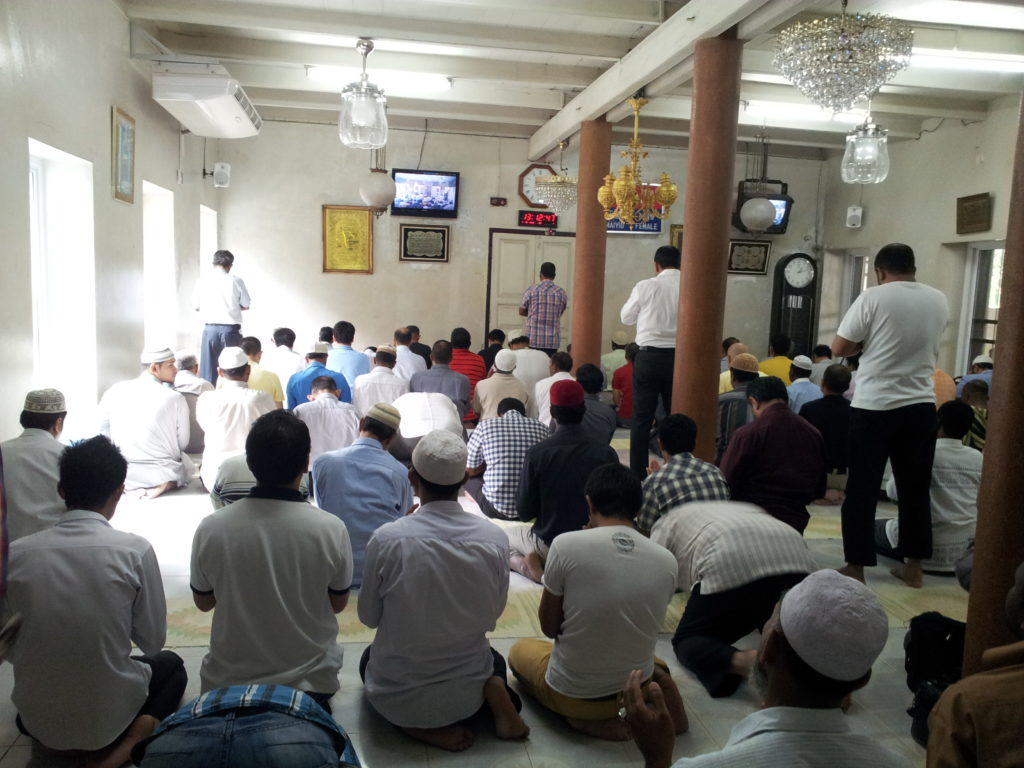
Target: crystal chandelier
<point>627,198</point>
<point>866,160</point>
<point>377,189</point>
<point>838,61</point>
<point>558,192</point>
<point>363,123</point>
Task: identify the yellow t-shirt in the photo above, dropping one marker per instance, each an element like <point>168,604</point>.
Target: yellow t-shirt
<point>265,381</point>
<point>773,366</point>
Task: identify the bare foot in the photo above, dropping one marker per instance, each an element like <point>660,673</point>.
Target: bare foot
<point>529,566</point>
<point>612,729</point>
<point>120,753</point>
<point>507,722</point>
<point>454,738</point>
<point>742,663</point>
<point>853,571</point>
<point>910,573</point>
<point>673,699</point>
<point>159,490</point>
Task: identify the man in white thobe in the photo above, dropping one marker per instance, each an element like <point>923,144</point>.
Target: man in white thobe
<point>31,465</point>
<point>148,421</point>
<point>332,424</point>
<point>381,384</point>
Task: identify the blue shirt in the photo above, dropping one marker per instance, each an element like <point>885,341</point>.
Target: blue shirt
<point>985,375</point>
<point>364,486</point>
<point>348,362</point>
<point>299,384</point>
<point>802,391</point>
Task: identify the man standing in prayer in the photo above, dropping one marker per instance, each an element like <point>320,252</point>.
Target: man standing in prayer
<point>148,421</point>
<point>332,424</point>
<point>30,463</point>
<point>434,583</point>
<point>275,571</point>
<point>652,307</point>
<point>543,305</point>
<point>381,384</point>
<point>227,413</point>
<point>895,327</point>
<point>220,298</point>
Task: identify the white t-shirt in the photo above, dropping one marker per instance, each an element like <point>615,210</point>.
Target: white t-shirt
<point>652,307</point>
<point>899,324</point>
<point>615,585</point>
<point>220,297</point>
<point>270,563</point>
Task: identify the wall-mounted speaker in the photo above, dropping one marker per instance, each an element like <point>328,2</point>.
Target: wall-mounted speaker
<point>854,216</point>
<point>221,175</point>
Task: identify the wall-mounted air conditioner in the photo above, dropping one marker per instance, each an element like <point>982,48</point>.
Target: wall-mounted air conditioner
<point>207,104</point>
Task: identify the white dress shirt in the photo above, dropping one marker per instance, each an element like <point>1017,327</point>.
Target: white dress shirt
<point>332,424</point>
<point>186,381</point>
<point>423,412</point>
<point>408,362</point>
<point>540,403</point>
<point>434,583</point>
<point>652,307</point>
<point>86,592</point>
<point>381,385</point>
<point>220,297</point>
<point>226,415</point>
<point>31,473</point>
<point>284,362</point>
<point>532,365</point>
<point>149,422</point>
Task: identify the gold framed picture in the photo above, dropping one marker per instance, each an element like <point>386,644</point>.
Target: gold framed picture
<point>749,257</point>
<point>974,214</point>
<point>676,236</point>
<point>348,239</point>
<point>423,242</point>
<point>122,155</point>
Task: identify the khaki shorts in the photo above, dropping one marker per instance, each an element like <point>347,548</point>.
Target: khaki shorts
<point>528,659</point>
<point>521,541</point>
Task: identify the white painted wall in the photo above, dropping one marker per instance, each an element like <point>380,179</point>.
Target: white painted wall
<point>63,65</point>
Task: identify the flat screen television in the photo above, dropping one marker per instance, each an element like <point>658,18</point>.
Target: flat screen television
<point>783,205</point>
<point>433,194</point>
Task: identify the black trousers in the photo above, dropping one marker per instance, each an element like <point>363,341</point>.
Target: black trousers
<point>475,488</point>
<point>906,437</point>
<point>652,378</point>
<point>712,623</point>
<point>215,338</point>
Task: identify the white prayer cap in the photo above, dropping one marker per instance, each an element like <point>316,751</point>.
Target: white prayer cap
<point>387,349</point>
<point>45,401</point>
<point>505,361</point>
<point>621,338</point>
<point>318,348</point>
<point>440,457</point>
<point>150,356</point>
<point>803,362</point>
<point>982,360</point>
<point>231,358</point>
<point>835,624</point>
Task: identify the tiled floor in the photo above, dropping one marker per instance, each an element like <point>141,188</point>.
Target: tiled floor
<point>169,522</point>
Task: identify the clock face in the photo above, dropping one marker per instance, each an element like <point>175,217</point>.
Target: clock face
<point>799,272</point>
<point>528,184</point>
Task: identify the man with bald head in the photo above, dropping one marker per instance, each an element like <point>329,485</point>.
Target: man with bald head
<point>725,379</point>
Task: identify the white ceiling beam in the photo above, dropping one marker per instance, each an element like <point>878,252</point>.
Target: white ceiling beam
<point>644,12</point>
<point>311,21</point>
<point>665,48</point>
<point>228,49</point>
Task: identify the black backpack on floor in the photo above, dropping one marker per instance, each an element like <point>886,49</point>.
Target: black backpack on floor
<point>934,647</point>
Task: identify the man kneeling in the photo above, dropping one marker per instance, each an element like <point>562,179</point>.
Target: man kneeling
<point>605,594</point>
<point>86,592</point>
<point>434,582</point>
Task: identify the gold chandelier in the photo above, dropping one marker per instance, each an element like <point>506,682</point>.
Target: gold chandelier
<point>627,198</point>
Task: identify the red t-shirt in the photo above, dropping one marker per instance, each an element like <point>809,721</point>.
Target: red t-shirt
<point>622,380</point>
<point>471,365</point>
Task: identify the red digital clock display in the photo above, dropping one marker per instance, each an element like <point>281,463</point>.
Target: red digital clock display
<point>538,219</point>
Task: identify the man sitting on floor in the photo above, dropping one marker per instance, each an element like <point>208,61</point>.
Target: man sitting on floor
<point>442,379</point>
<point>363,485</point>
<point>830,415</point>
<point>86,592</point>
<point>495,455</point>
<point>262,379</point>
<point>381,384</point>
<point>733,405</point>
<point>816,649</point>
<point>975,394</point>
<point>682,477</point>
<point>300,384</point>
<point>606,590</point>
<point>149,423</point>
<point>342,358</point>
<point>434,583</point>
<point>332,424</point>
<point>501,384</point>
<point>274,570</point>
<point>735,560</point>
<point>551,487</point>
<point>600,419</point>
<point>778,460</point>
<point>955,480</point>
<point>802,390</point>
<point>560,368</point>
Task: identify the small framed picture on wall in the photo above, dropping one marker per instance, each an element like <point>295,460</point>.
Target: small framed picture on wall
<point>424,243</point>
<point>676,236</point>
<point>122,155</point>
<point>749,257</point>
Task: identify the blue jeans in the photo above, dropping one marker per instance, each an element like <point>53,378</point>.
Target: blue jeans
<point>249,738</point>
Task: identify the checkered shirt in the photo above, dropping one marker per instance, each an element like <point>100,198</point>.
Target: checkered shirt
<point>682,479</point>
<point>544,302</point>
<point>502,444</point>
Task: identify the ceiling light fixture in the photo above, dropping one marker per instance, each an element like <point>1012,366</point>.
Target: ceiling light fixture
<point>558,192</point>
<point>838,61</point>
<point>377,189</point>
<point>391,81</point>
<point>363,122</point>
<point>627,198</point>
<point>866,160</point>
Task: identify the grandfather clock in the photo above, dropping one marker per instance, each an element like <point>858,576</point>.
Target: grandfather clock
<point>794,301</point>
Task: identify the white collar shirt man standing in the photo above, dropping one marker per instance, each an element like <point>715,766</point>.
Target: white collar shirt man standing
<point>220,298</point>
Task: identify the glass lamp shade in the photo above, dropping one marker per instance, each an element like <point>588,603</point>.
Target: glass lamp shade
<point>757,214</point>
<point>377,189</point>
<point>363,123</point>
<point>866,160</point>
